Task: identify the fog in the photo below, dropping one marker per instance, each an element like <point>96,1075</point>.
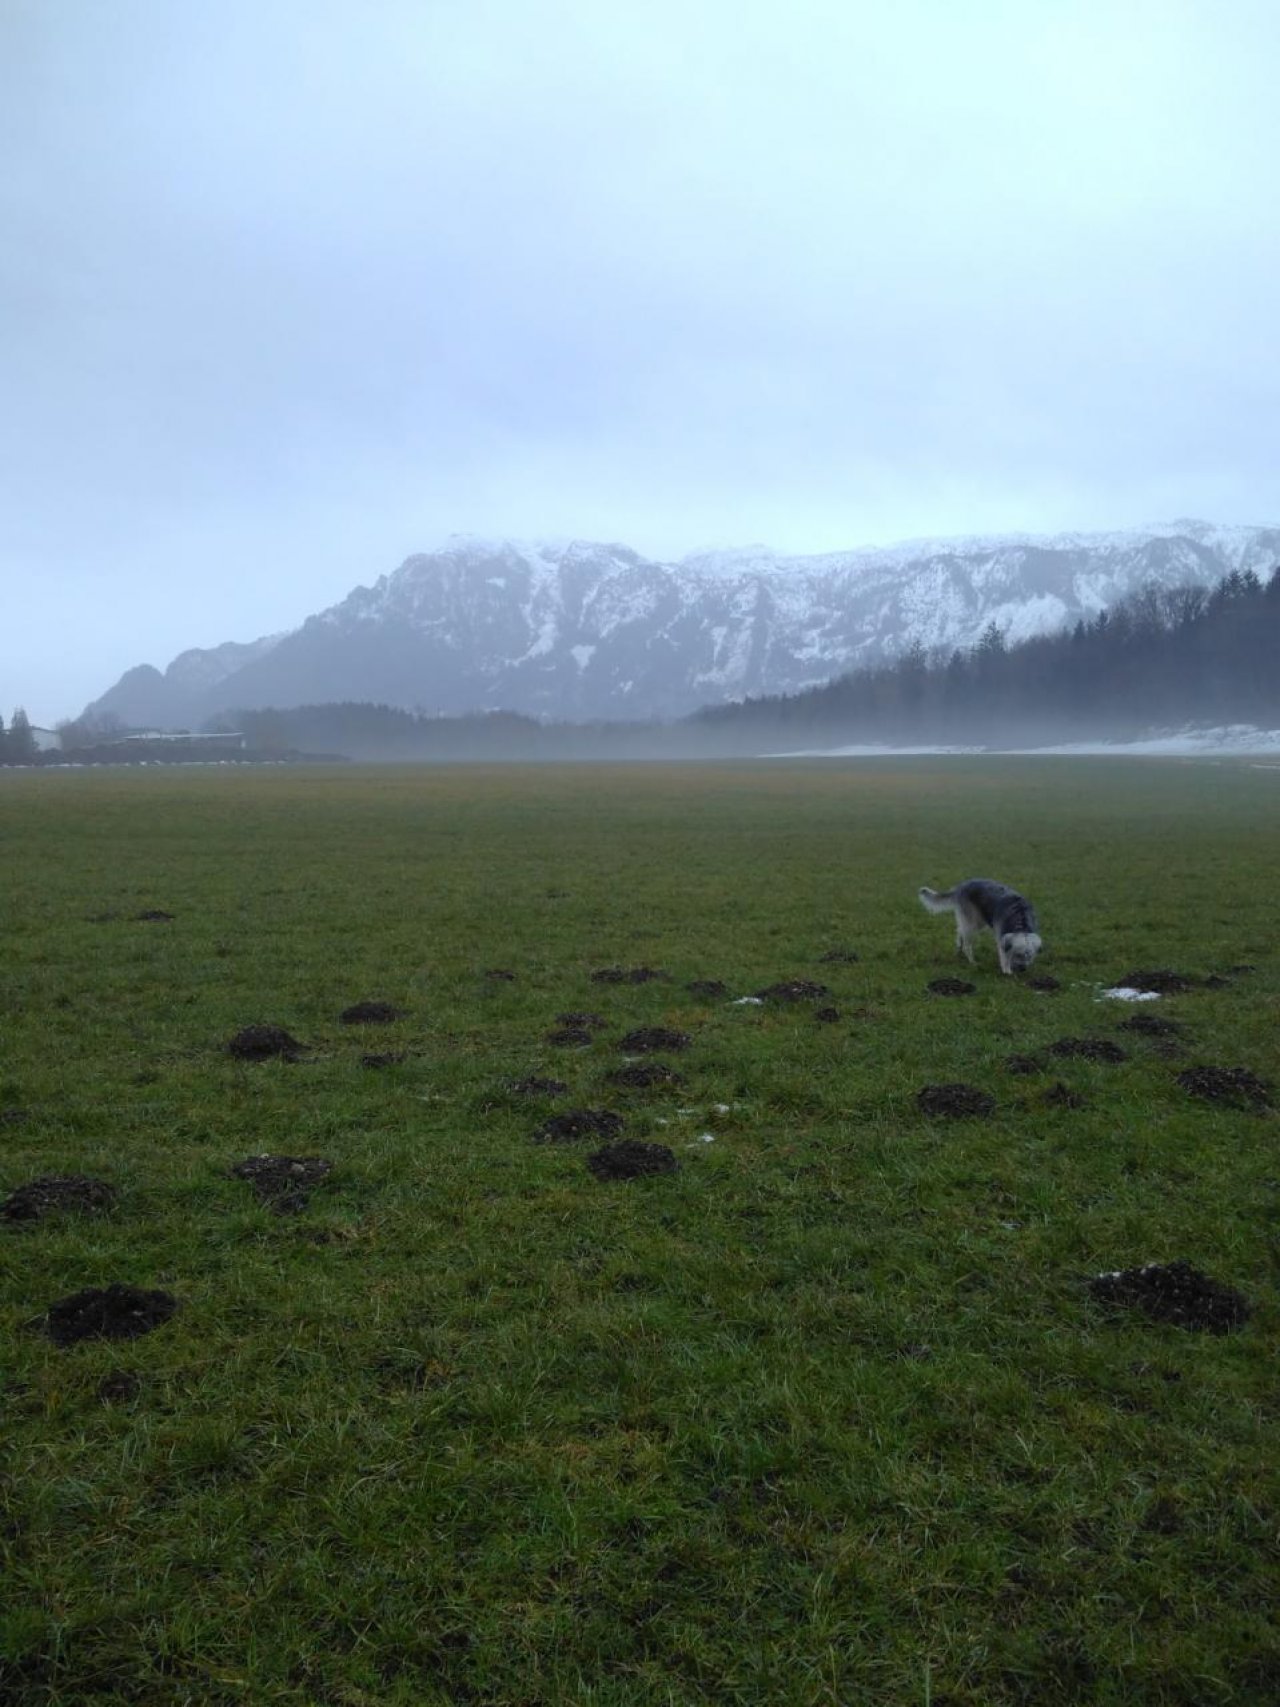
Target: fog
<point>292,291</point>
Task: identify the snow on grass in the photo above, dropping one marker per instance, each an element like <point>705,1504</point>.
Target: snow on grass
<point>1227,741</point>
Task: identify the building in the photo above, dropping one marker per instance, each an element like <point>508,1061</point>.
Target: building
<point>225,741</point>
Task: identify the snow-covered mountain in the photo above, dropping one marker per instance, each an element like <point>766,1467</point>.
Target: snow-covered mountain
<point>581,631</point>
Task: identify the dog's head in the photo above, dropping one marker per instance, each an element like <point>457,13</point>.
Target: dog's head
<point>1020,949</point>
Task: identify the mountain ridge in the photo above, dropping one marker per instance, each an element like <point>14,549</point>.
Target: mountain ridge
<point>584,630</point>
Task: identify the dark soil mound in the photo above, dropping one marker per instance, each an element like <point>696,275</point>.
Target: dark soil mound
<point>371,1013</point>
<point>1087,1049</point>
<point>387,1059</point>
<point>1024,1064</point>
<point>645,1075</point>
<point>828,1016</point>
<point>1216,981</point>
<point>569,1037</point>
<point>14,1116</point>
<point>653,1040</point>
<point>1236,1086</point>
<point>951,987</point>
<point>583,1022</point>
<point>533,1086</point>
<point>707,987</point>
<point>116,1386</point>
<point>69,1193</point>
<point>500,974</point>
<point>1162,982</point>
<point>1239,970</point>
<point>153,916</point>
<point>631,1159</point>
<point>794,990</point>
<point>1176,1293</point>
<point>576,1123</point>
<point>627,975</point>
<point>1043,984</point>
<point>107,1313</point>
<point>838,957</point>
<point>283,1183</point>
<point>1149,1025</point>
<point>1062,1096</point>
<point>262,1042</point>
<point>955,1102</point>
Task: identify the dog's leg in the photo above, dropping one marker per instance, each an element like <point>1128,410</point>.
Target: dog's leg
<point>968,926</point>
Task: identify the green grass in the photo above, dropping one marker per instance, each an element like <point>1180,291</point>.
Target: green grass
<point>825,1417</point>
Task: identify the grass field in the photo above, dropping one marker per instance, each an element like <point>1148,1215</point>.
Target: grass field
<point>826,1416</point>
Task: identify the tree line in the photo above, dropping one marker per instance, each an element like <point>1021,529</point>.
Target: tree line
<point>358,730</point>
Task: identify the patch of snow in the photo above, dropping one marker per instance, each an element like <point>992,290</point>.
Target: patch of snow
<point>1231,738</point>
<point>545,639</point>
<point>1125,993</point>
<point>869,751</point>
<point>1023,621</point>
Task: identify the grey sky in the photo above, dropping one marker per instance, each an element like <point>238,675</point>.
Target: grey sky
<point>292,288</point>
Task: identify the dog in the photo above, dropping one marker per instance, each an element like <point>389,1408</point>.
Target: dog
<point>980,904</point>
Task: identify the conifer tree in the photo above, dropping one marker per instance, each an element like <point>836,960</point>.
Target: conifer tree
<point>20,745</point>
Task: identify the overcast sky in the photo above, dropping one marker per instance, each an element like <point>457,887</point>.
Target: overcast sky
<point>290,289</point>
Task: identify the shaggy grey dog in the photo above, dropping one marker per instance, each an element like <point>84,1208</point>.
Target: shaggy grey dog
<point>980,904</point>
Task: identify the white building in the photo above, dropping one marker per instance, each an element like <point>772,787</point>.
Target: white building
<point>230,740</point>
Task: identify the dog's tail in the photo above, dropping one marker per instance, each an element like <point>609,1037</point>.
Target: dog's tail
<point>935,903</point>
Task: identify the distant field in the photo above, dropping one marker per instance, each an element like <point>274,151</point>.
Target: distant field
<point>826,1416</point>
